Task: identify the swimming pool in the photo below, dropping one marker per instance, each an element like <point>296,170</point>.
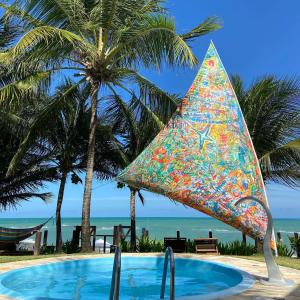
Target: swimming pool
<point>140,279</point>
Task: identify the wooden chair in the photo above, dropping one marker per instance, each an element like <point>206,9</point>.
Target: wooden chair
<point>206,245</point>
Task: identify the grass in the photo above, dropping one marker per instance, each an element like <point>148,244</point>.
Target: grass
<point>6,259</point>
<point>293,263</point>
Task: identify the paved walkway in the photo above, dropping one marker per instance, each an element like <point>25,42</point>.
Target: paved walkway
<point>258,269</point>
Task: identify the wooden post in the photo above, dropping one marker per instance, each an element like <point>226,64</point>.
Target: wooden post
<point>178,234</point>
<point>37,243</point>
<point>279,238</point>
<point>75,238</point>
<point>115,235</point>
<point>94,238</point>
<point>296,236</point>
<point>45,237</point>
<point>119,235</point>
<point>121,231</point>
<point>210,234</point>
<point>244,239</point>
<point>258,246</point>
<point>104,245</point>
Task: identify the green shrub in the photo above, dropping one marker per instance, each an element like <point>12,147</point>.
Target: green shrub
<point>47,249</point>
<point>236,248</point>
<point>283,250</point>
<point>190,246</point>
<point>295,244</point>
<point>69,247</point>
<point>125,246</point>
<point>145,244</point>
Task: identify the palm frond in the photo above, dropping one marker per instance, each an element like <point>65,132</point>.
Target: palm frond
<point>141,197</point>
<point>271,109</point>
<point>36,125</point>
<point>154,41</point>
<point>47,35</point>
<point>19,88</point>
<point>209,25</point>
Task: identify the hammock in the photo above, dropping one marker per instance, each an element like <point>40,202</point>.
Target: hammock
<point>15,235</point>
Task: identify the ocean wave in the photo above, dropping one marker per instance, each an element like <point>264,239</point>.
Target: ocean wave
<point>207,230</point>
<point>106,228</point>
<point>284,231</point>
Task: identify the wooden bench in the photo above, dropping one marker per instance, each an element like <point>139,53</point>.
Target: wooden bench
<point>206,245</point>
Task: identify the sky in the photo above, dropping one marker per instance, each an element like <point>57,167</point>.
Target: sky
<point>257,38</point>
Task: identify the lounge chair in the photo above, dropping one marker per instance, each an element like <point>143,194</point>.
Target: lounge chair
<point>206,245</point>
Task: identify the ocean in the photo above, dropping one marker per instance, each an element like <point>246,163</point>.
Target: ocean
<point>158,227</point>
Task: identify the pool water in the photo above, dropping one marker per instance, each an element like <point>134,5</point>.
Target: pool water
<point>140,279</point>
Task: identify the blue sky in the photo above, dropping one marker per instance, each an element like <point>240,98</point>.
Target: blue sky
<point>258,38</point>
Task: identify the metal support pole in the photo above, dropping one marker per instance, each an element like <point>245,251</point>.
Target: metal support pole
<point>274,274</point>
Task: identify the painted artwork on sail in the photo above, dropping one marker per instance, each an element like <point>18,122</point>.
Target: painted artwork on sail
<point>204,157</point>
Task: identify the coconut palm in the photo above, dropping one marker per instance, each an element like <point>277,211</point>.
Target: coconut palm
<point>271,108</point>
<point>135,124</point>
<point>65,137</point>
<point>104,43</point>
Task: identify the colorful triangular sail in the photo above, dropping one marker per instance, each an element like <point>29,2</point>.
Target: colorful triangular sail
<point>204,157</point>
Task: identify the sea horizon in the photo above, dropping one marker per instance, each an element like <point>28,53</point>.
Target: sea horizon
<point>158,227</point>
<point>121,217</point>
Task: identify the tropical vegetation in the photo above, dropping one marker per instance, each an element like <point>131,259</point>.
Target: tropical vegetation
<point>271,110</point>
<point>136,126</point>
<point>102,43</point>
<point>105,112</point>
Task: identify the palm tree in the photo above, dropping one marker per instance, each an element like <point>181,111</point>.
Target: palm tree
<point>135,125</point>
<point>103,43</point>
<point>272,112</point>
<point>65,138</point>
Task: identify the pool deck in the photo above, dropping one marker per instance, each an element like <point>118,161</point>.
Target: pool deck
<point>257,269</point>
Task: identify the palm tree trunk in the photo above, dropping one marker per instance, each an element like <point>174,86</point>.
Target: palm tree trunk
<point>60,198</point>
<point>86,205</point>
<point>132,220</point>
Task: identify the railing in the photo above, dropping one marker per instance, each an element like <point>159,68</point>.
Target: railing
<point>115,280</point>
<point>168,256</point>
